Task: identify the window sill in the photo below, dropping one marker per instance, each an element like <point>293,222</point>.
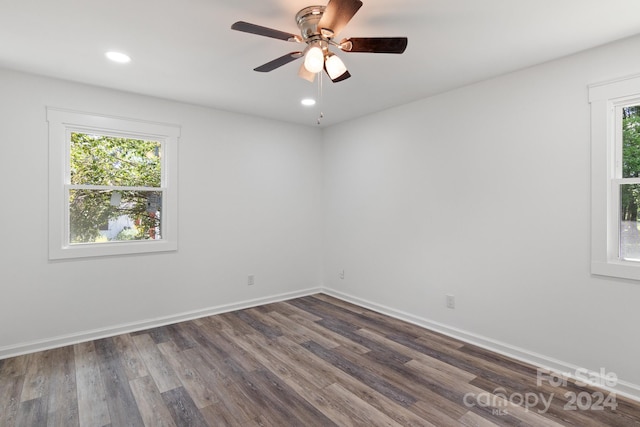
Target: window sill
<point>619,269</point>
<point>86,250</point>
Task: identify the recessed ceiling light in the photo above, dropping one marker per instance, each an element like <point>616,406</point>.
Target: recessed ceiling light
<point>118,57</point>
<point>308,102</point>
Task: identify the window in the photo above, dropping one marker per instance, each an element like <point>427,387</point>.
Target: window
<point>615,178</point>
<point>628,179</point>
<point>112,185</point>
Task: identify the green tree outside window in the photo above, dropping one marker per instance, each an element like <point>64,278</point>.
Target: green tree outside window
<point>114,179</point>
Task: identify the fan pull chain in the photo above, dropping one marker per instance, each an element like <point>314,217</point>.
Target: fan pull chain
<point>321,116</point>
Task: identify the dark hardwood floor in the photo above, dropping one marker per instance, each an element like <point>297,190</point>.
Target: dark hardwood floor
<point>311,361</point>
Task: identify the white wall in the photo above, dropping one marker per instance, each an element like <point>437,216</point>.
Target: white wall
<point>483,193</point>
<point>249,192</point>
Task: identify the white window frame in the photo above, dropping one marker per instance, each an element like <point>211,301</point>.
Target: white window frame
<point>61,124</point>
<point>607,100</point>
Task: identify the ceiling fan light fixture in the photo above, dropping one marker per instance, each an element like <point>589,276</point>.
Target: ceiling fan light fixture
<point>335,66</point>
<point>314,59</point>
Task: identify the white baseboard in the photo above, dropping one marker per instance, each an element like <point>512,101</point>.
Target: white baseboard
<point>63,340</point>
<point>622,388</point>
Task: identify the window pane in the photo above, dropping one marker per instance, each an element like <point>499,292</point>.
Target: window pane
<point>106,160</point>
<point>629,233</point>
<point>97,216</point>
<point>631,141</point>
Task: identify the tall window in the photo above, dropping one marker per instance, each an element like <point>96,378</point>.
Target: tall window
<point>628,179</point>
<point>112,185</point>
<point>615,173</point>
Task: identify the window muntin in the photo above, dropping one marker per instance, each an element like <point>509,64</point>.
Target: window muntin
<point>112,185</point>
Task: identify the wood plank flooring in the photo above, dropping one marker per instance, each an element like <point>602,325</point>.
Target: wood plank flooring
<point>311,361</point>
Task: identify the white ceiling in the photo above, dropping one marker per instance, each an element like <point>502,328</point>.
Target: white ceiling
<point>185,50</point>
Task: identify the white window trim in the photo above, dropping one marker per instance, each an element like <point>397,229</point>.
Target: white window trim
<point>604,99</point>
<point>61,124</point>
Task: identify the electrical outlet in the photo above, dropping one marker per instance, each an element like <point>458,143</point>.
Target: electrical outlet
<point>451,301</point>
<point>341,274</point>
<point>252,280</point>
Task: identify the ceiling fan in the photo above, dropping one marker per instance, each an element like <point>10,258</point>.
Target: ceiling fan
<point>318,26</point>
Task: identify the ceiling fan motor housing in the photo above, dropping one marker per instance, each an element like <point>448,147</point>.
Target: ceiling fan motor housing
<point>307,20</point>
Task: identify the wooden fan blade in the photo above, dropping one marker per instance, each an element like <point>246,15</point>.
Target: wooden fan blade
<point>264,31</point>
<point>306,74</point>
<point>374,44</point>
<point>337,15</point>
<point>278,62</point>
